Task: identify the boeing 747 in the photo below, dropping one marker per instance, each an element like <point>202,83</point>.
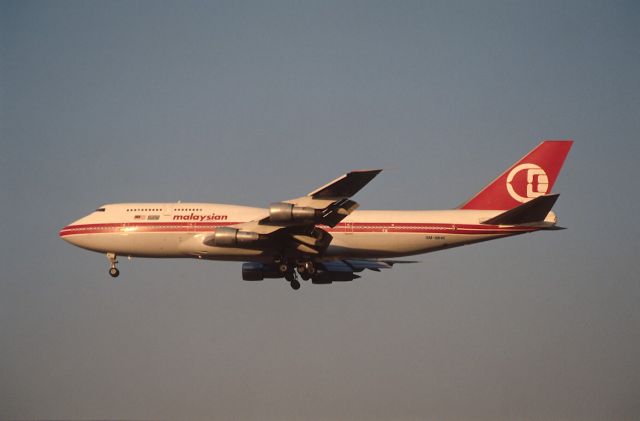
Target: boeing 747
<point>321,237</point>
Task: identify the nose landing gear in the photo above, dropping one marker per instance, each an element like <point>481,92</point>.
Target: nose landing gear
<point>113,270</point>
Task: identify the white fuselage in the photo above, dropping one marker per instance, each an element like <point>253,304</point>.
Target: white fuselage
<point>174,230</point>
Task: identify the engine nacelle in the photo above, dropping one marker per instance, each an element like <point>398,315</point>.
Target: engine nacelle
<point>232,237</point>
<point>254,271</point>
<point>285,212</point>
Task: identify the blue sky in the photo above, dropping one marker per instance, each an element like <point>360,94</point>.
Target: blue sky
<point>254,102</point>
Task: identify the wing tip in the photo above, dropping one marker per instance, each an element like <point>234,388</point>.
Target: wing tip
<point>371,170</point>
<point>346,185</point>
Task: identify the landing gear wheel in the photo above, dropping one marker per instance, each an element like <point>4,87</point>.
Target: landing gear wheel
<point>309,268</point>
<point>283,267</point>
<point>292,279</point>
<point>306,270</point>
<point>113,271</point>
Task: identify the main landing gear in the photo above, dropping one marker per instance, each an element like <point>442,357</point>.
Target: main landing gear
<point>113,271</point>
<point>293,280</point>
<point>305,269</point>
<point>289,274</point>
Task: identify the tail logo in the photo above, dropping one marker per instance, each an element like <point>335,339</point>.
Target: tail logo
<point>537,182</point>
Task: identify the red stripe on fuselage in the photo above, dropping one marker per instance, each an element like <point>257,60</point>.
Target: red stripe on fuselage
<point>357,227</point>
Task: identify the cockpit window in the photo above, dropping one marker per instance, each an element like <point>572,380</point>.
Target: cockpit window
<point>100,210</point>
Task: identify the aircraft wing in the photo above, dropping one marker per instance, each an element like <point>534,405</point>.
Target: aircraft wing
<point>345,270</point>
<point>344,186</point>
<point>295,225</point>
<point>358,265</point>
<point>333,199</point>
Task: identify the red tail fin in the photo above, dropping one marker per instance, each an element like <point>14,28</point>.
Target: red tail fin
<point>530,177</point>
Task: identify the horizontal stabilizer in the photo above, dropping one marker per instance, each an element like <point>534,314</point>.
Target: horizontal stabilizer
<point>535,210</point>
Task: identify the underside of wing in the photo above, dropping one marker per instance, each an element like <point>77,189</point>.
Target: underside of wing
<point>345,270</point>
<point>358,265</point>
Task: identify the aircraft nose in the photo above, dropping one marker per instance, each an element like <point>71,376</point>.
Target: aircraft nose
<point>67,232</point>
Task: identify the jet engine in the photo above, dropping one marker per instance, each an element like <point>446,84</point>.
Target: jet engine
<point>254,271</point>
<point>231,237</point>
<point>285,212</point>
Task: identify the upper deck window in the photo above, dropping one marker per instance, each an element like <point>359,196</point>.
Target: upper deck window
<point>100,210</point>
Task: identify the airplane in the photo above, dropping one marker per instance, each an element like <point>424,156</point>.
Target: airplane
<point>321,237</point>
